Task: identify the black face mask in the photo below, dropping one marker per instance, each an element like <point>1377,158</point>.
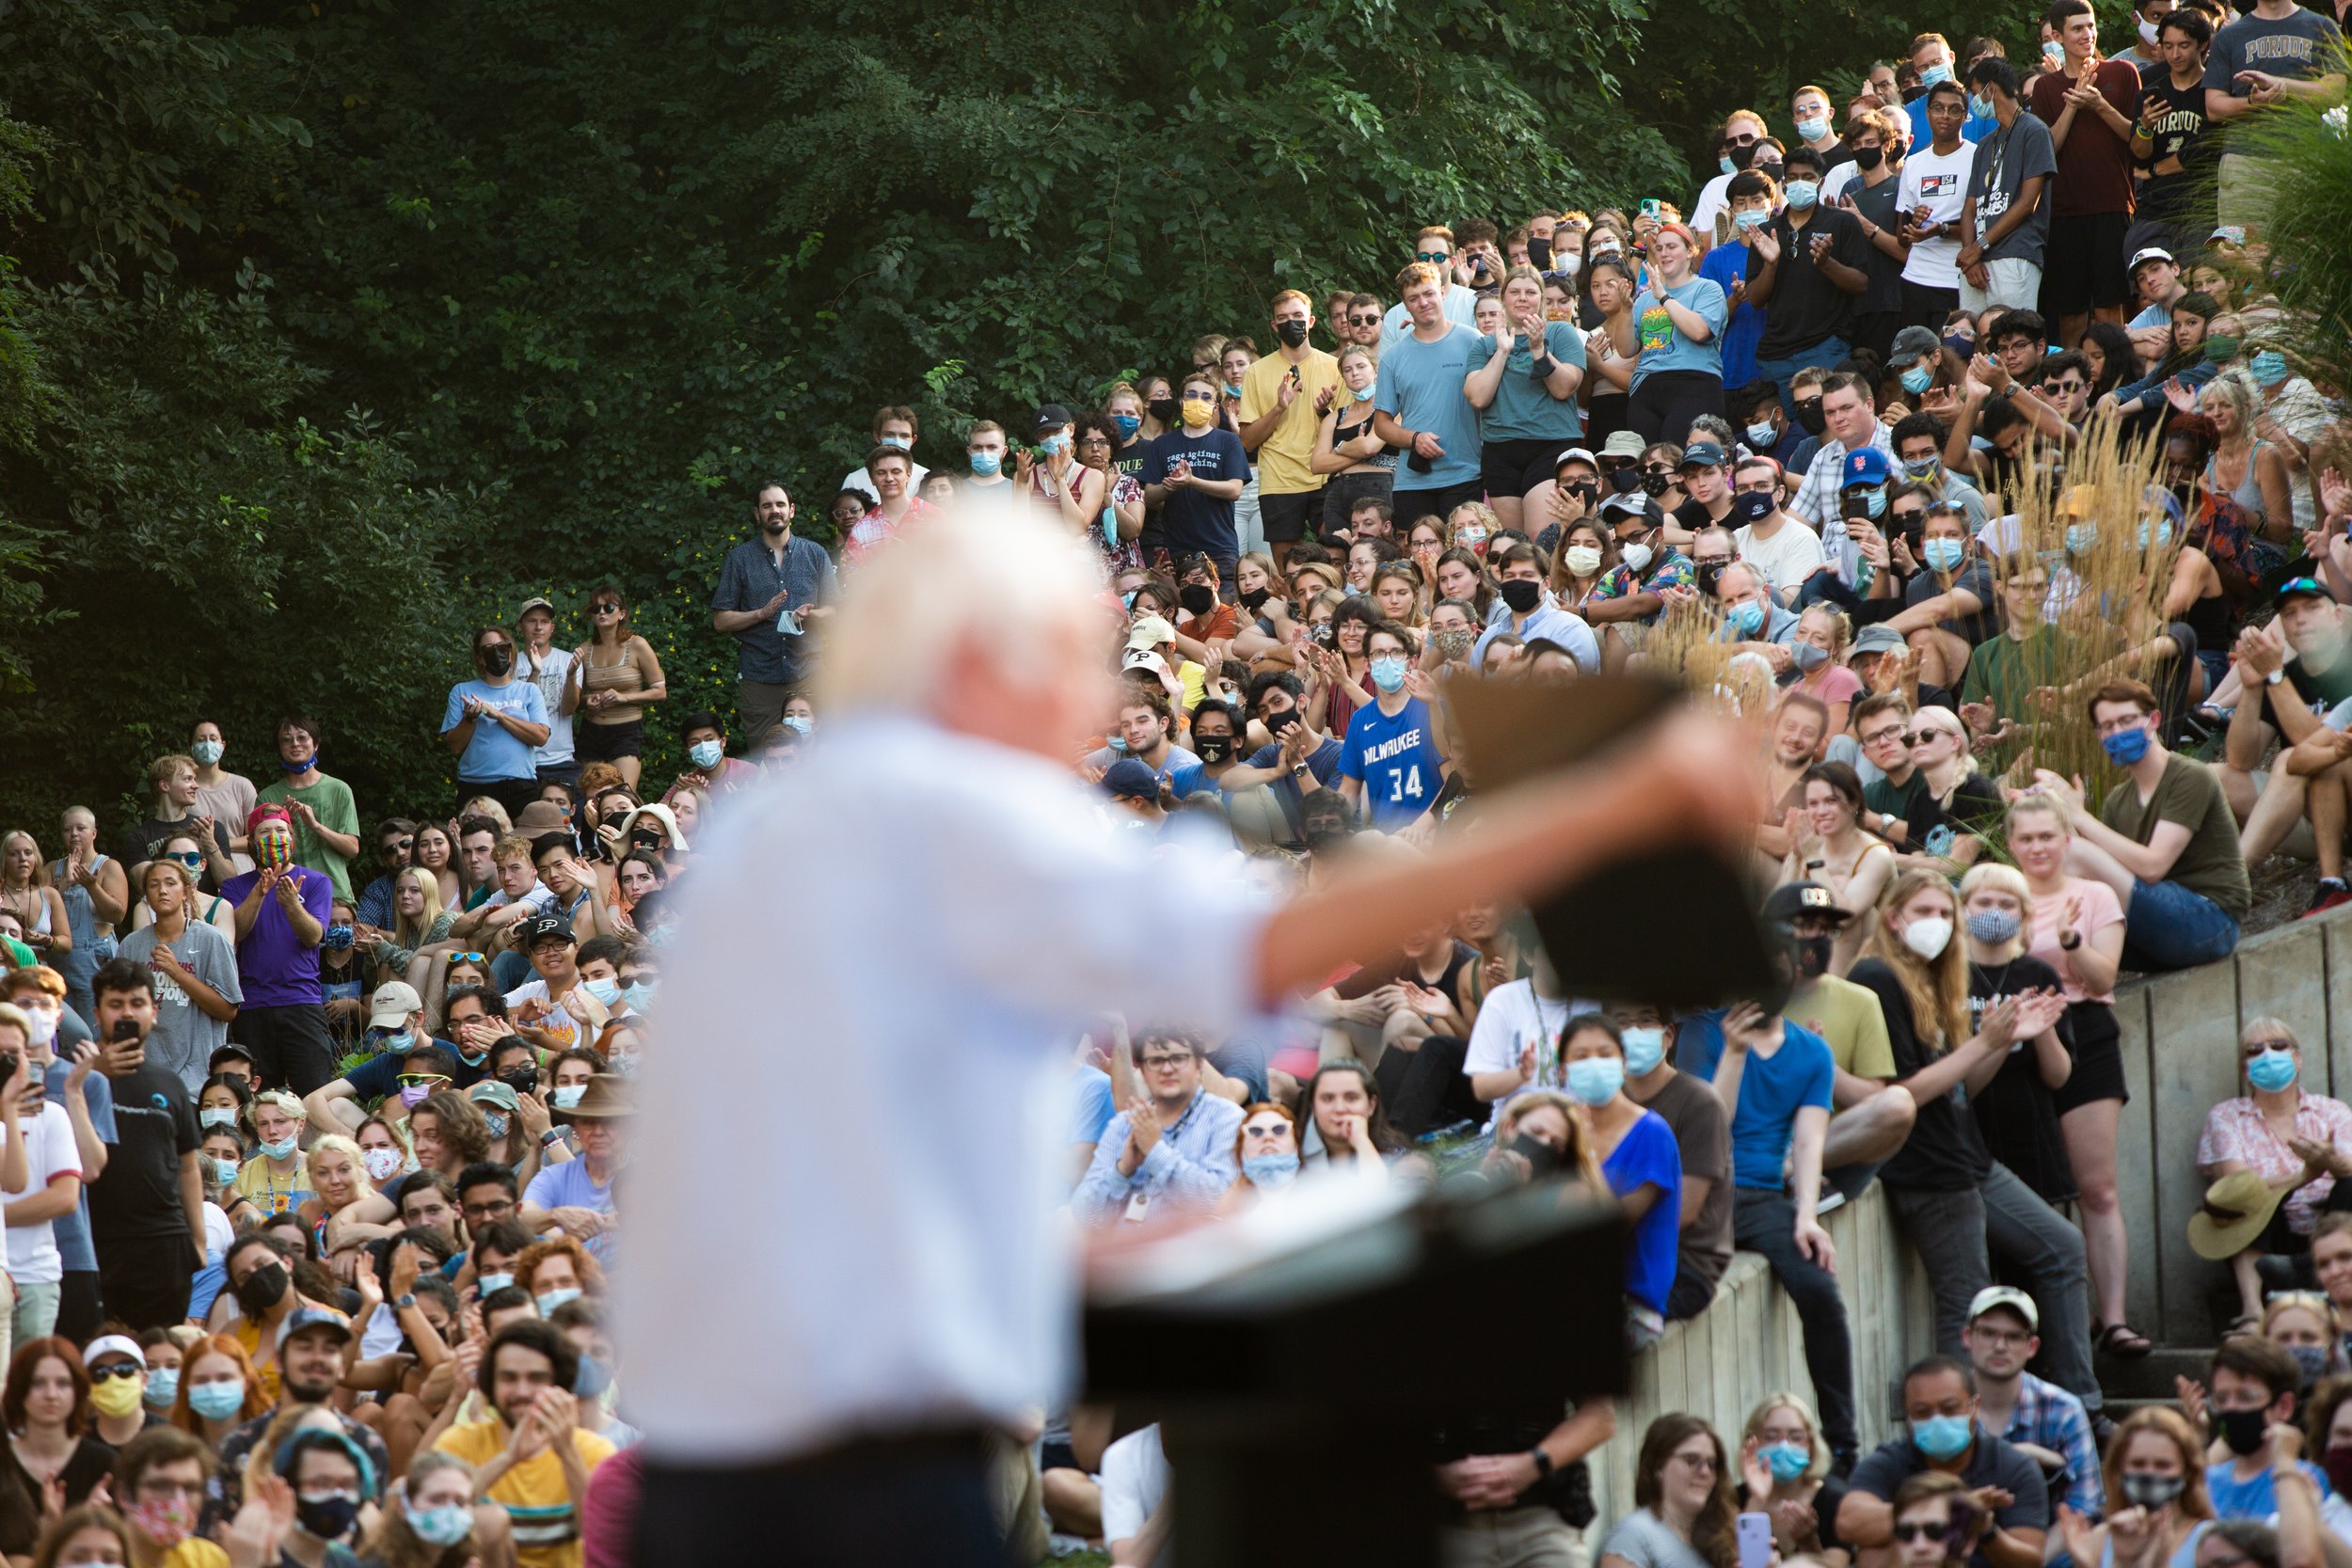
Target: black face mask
<point>498,661</point>
<point>1278,724</point>
<point>1706,571</point>
<point>1213,748</point>
<point>1813,956</point>
<point>1542,1158</point>
<point>1742,156</point>
<point>1162,409</point>
<point>1810,416</point>
<point>1254,599</point>
<point>2242,1429</point>
<point>1654,486</point>
<point>328,1518</point>
<point>1912,95</point>
<point>1292,333</point>
<point>1196,597</point>
<point>1539,253</point>
<point>262,1290</point>
<point>1521,594</point>
<point>522,1080</point>
<point>1585,491</point>
<point>1867,158</point>
<point>1625,480</point>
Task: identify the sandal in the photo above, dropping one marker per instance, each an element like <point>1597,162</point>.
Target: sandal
<point>2125,1342</point>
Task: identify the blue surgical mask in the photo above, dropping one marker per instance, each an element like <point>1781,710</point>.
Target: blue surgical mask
<point>1054,446</point>
<point>1762,436</point>
<point>1992,926</point>
<point>490,1284</point>
<point>1801,193</point>
<point>1787,1460</point>
<point>1116,744</point>
<point>1387,671</point>
<point>1919,378</point>
<point>1943,1436</point>
<point>985,464</point>
<point>564,1096</point>
<point>216,1116</point>
<point>217,1402</point>
<point>283,1149</point>
<point>2162,532</point>
<point>2272,1071</point>
<point>2127,747</point>
<point>1126,424</point>
<point>1232,388</point>
<point>1933,74</point>
<point>1746,617</point>
<point>801,723</point>
<point>1724,163</point>
<point>605,989</point>
<point>896,443</point>
<point>2269,367</point>
<point>162,1387</point>
<point>704,754</point>
<point>224,1172</point>
<point>1644,1048</point>
<point>1751,220</point>
<point>2081,537</point>
<point>1814,127</point>
<point>1363,394</point>
<point>442,1527</point>
<point>1945,555</point>
<point>641,994</point>
<point>1271,1171</point>
<point>1595,1080</point>
<point>1980,106</point>
<point>594,1377</point>
<point>549,1301</point>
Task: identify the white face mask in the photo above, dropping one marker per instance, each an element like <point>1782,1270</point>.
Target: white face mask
<point>1929,937</point>
<point>1636,558</point>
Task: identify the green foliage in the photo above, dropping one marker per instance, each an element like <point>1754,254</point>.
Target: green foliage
<point>2311,154</point>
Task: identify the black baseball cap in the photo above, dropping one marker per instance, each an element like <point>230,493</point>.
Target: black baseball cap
<point>538,927</point>
<point>1792,899</point>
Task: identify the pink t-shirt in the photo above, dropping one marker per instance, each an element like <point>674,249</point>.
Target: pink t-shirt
<point>2097,908</point>
<point>2234,1130</point>
<point>1838,684</point>
<point>608,1520</point>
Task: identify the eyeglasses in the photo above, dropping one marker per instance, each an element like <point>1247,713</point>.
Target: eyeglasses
<point>114,1368</point>
<point>1803,404</point>
<point>1918,1529</point>
<point>420,1080</point>
<point>495,648</point>
<point>1701,1462</point>
<point>1094,440</point>
<point>1756,486</point>
<point>1882,736</point>
<point>1152,1064</point>
<point>1657,470</point>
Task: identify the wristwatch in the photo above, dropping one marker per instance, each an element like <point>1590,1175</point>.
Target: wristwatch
<point>403,1301</point>
<point>1543,1462</point>
<point>2274,677</point>
<point>2070,940</point>
<point>552,1135</point>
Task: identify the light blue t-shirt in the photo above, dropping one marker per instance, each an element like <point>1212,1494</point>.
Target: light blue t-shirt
<point>1523,409</point>
<point>1663,345</point>
<point>570,1186</point>
<point>1773,1089</point>
<point>1092,1106</point>
<point>1421,388</point>
<point>494,753</point>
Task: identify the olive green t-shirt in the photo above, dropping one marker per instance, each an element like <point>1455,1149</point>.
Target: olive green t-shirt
<point>330,801</point>
<point>1848,1017</point>
<point>2188,794</point>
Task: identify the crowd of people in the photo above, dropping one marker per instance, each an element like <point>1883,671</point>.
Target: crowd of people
<point>311,1187</point>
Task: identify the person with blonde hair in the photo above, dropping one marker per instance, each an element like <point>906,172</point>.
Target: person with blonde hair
<point>198,987</point>
<point>2299,1142</point>
<point>1784,1463</point>
<point>2155,1474</point>
<point>965,668</point>
<point>276,1180</point>
<point>174,808</point>
<point>2015,1111</point>
<point>1955,1201</point>
<point>418,921</point>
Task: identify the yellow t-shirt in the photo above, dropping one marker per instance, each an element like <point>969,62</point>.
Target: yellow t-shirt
<point>194,1551</point>
<point>274,1194</point>
<point>1849,1017</point>
<point>544,1515</point>
<point>1282,461</point>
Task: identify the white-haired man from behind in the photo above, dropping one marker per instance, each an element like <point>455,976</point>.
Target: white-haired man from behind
<point>888,953</point>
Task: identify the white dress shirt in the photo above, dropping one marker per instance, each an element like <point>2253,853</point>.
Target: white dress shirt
<point>858,1081</point>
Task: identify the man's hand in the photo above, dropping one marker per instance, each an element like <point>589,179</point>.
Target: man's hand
<point>1143,1135</point>
<point>1743,1026</point>
<point>2066,791</point>
<point>1814,1242</point>
<point>1763,247</point>
<point>286,894</point>
<point>2260,650</point>
<point>1428,446</point>
<point>2262,86</point>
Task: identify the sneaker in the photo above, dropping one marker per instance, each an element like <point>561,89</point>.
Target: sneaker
<point>2102,1429</point>
<point>2328,894</point>
<point>1827,1201</point>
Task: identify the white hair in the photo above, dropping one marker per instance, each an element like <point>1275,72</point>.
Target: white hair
<point>1008,582</point>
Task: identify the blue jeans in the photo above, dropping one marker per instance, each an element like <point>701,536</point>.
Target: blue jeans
<point>1828,352</point>
<point>2167,926</point>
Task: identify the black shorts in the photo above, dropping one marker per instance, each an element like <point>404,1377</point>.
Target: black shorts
<point>2098,1058</point>
<point>1412,505</point>
<point>1341,496</point>
<point>290,1045</point>
<point>1283,519</point>
<point>1515,468</point>
<point>2082,266</point>
<point>144,1280</point>
<point>593,742</point>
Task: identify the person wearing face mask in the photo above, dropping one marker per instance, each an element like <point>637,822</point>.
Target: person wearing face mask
<point>1390,762</point>
<point>2016,1112</point>
<point>1807,269</point>
<point>772,588</point>
<point>1948,1454</point>
<point>225,797</point>
<point>1743,130</point>
<point>1695,1118</point>
<point>1785,1474</point>
<point>147,1209</point>
<point>1932,56</point>
<point>1765,428</point>
<point>1729,263</point>
<point>1776,545</point>
<point>984,483</point>
<point>1639,1161</point>
<point>1266,1147</point>
<point>494,723</point>
<point>330,1480</point>
<point>1702,473</point>
<point>1194,476</point>
<point>1633,593</point>
<point>2250,1394</point>
<point>87,1101</point>
<point>703,737</point>
<point>1524,609</point>
<point>2015,184</point>
<point>1955,1203</point>
<point>2277,1157</point>
<point>895,427</point>
<point>1284,397</point>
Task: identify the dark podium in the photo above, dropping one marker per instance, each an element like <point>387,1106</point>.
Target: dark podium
<point>1301,1368</point>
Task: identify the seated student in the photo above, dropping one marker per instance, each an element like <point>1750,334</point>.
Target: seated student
<point>2044,1421</point>
<point>2155,1469</point>
<point>2331,1265</point>
<point>1682,1496</point>
<point>1903,806</point>
<point>1944,1436</point>
<point>2300,662</point>
<point>2307,1166</point>
<point>2250,1388</point>
<point>1703,1141</point>
<point>1938,1522</point>
<point>2163,839</point>
<point>1139,1517</point>
<point>1776,1078</point>
<point>1639,1161</point>
<point>1171,1152</point>
<point>1785,1472</point>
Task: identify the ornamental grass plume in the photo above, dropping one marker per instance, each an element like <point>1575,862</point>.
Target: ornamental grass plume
<point>2309,156</point>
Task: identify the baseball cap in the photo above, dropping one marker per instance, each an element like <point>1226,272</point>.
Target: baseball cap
<point>116,1344</point>
<point>1616,509</point>
<point>1792,899</point>
<point>392,1004</point>
<point>539,927</point>
<point>491,1092</point>
<point>1704,455</point>
<point>1910,345</point>
<point>2297,587</point>
<point>1051,417</point>
<point>2234,232</point>
<point>536,601</point>
<point>1575,454</point>
<point>2004,1295</point>
<point>1866,467</point>
<point>1131,779</point>
<point>2147,253</point>
<point>313,1316</point>
<point>1876,640</point>
<point>1624,443</point>
<point>1150,633</point>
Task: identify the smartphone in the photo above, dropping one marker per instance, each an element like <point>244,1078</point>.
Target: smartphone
<point>1652,207</point>
<point>1755,1540</point>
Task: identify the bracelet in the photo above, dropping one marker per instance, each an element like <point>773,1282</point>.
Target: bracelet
<point>2070,940</point>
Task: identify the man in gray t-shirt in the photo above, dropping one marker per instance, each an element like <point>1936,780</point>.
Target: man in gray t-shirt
<point>2006,223</point>
<point>2278,51</point>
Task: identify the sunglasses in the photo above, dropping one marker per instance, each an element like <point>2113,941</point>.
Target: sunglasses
<point>192,859</point>
<point>604,609</point>
<point>1363,321</point>
<point>469,957</point>
<point>1431,256</point>
<point>114,1368</point>
<point>420,1080</point>
<point>1916,1530</point>
<point>400,844</point>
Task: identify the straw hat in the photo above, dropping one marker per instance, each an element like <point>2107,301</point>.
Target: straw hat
<point>2235,1210</point>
